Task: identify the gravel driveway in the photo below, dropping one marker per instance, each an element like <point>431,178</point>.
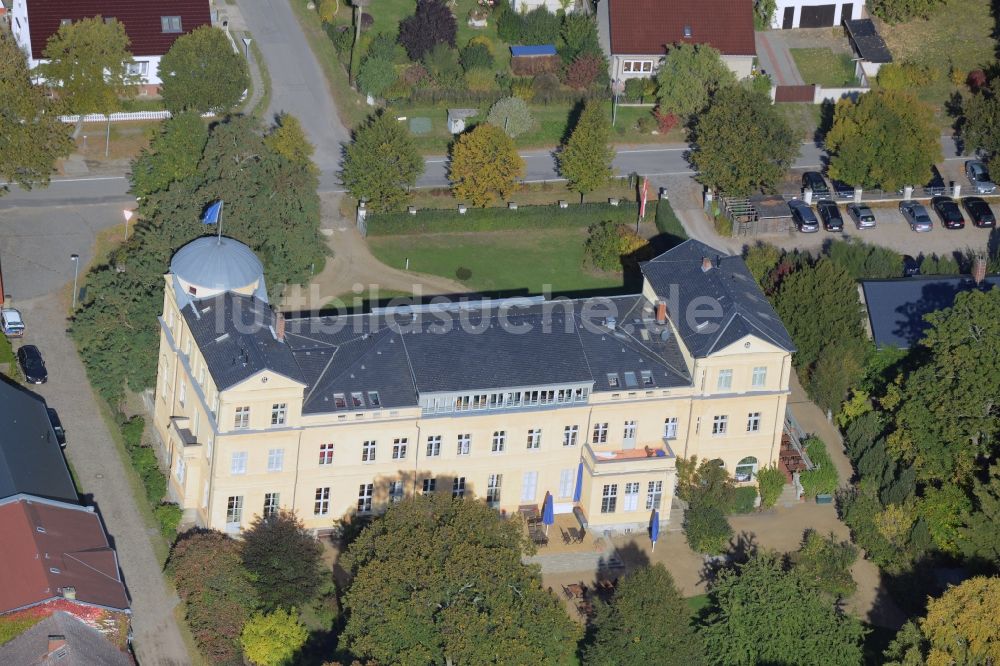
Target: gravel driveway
<point>102,477</point>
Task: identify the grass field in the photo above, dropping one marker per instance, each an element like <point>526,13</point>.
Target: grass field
<point>531,194</point>
<point>957,37</point>
<point>506,261</point>
<point>823,66</point>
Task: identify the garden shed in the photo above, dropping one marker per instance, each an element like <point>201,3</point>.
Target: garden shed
<point>531,60</point>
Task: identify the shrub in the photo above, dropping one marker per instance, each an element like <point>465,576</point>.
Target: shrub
<point>706,529</point>
<point>480,80</point>
<point>645,124</point>
<point>442,63</point>
<point>512,115</point>
<point>416,75</point>
<point>545,86</point>
<point>584,71</point>
<point>367,21</point>
<point>903,76</point>
<point>432,24</point>
<point>770,484</point>
<point>523,88</point>
<point>744,499</point>
<point>463,273</point>
<point>634,89</point>
<point>376,76</point>
<point>825,562</point>
<point>704,483</point>
<point>284,560</point>
<point>614,245</point>
<point>341,37</point>
<point>539,26</point>
<point>476,55</point>
<point>168,515</point>
<point>665,121</point>
<point>327,10</point>
<point>976,80</point>
<point>823,479</point>
<point>383,45</point>
<point>498,219</point>
<point>132,431</point>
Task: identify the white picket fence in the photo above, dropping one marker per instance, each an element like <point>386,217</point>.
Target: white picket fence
<point>127,115</point>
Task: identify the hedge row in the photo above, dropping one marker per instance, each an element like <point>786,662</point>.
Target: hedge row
<point>438,221</point>
<point>143,459</point>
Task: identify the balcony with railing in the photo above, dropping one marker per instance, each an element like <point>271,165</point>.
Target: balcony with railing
<point>648,458</point>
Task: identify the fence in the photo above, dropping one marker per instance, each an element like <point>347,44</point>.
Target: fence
<point>123,116</point>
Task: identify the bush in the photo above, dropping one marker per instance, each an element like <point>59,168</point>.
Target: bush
<point>498,219</point>
<point>634,89</point>
<point>706,529</point>
<point>584,71</point>
<point>384,46</point>
<point>168,515</point>
<point>375,76</point>
<point>132,430</point>
<point>463,273</point>
<point>476,55</point>
<point>367,21</point>
<point>745,499</point>
<point>341,37</point>
<point>442,63</point>
<point>545,87</point>
<point>645,124</point>
<point>539,26</point>
<point>512,115</point>
<point>823,479</point>
<point>770,484</point>
<point>612,246</point>
<point>903,76</point>
<point>665,121</point>
<point>327,10</point>
<point>704,483</point>
<point>523,88</point>
<point>431,25</point>
<point>480,80</point>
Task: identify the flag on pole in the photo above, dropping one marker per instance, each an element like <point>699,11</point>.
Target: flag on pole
<point>644,197</point>
<point>212,213</point>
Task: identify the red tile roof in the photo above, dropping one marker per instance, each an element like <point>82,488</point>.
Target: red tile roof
<point>643,27</point>
<point>48,546</point>
<point>141,19</point>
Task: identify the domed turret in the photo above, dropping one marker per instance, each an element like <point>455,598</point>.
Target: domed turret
<point>208,266</point>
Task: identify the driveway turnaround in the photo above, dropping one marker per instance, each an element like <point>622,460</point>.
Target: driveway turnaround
<point>101,474</point>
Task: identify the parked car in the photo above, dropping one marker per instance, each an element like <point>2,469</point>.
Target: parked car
<point>805,218</point>
<point>916,215</point>
<point>32,365</point>
<point>862,215</point>
<point>948,211</point>
<point>842,190</point>
<point>911,266</point>
<point>979,212</point>
<point>11,322</point>
<point>979,176</point>
<point>829,212</point>
<point>814,181</point>
<point>57,427</point>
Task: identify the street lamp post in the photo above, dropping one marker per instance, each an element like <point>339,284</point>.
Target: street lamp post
<point>75,258</point>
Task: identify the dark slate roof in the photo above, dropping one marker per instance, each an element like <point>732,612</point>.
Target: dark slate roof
<point>30,458</point>
<point>650,26</point>
<point>896,308</point>
<point>85,646</point>
<point>743,308</point>
<point>866,40</point>
<point>140,17</point>
<point>469,350</point>
<point>236,336</point>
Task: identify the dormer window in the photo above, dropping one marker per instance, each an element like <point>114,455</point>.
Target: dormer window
<point>647,378</point>
<point>612,380</point>
<point>170,24</point>
<point>65,21</point>
<point>374,399</point>
<point>687,32</point>
<point>357,400</point>
<point>339,401</point>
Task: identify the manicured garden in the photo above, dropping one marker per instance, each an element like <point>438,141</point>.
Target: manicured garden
<point>824,67</point>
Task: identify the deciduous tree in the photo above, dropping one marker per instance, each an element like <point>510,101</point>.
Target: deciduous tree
<point>742,144</point>
<point>647,622</point>
<point>484,165</point>
<point>980,129</point>
<point>826,563</point>
<point>202,72</point>
<point>512,115</point>
<point>886,139</point>
<point>689,77</point>
<point>285,560</point>
<point>172,155</point>
<point>87,65</point>
<point>381,163</point>
<point>439,580</point>
<point>614,245</point>
<point>585,159</point>
<point>31,136</point>
<point>288,139</point>
<point>961,626</point>
<point>432,23</point>
<point>273,639</point>
<point>978,536</point>
<point>216,590</point>
<point>376,75</point>
<point>761,614</point>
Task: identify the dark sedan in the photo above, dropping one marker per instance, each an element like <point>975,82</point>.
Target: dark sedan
<point>813,180</point>
<point>829,212</point>
<point>32,365</point>
<point>979,212</point>
<point>949,212</point>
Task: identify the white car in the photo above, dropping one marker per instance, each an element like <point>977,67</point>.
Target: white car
<point>11,323</point>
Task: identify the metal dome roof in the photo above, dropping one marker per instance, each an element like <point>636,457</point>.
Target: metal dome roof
<point>213,263</point>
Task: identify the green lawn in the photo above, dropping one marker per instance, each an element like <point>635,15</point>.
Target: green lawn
<point>506,261</point>
<point>823,66</point>
<point>697,603</point>
<point>957,37</point>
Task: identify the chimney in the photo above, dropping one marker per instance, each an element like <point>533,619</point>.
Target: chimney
<point>706,264</point>
<point>279,326</point>
<point>661,313</point>
<point>69,593</point>
<point>56,641</point>
<point>979,268</point>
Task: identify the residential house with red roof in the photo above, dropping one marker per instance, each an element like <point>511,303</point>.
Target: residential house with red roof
<point>56,556</point>
<point>152,27</point>
<point>636,34</point>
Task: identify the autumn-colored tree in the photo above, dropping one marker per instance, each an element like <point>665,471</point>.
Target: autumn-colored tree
<point>273,639</point>
<point>612,246</point>
<point>585,159</point>
<point>31,136</point>
<point>484,165</point>
<point>87,65</point>
<point>289,140</point>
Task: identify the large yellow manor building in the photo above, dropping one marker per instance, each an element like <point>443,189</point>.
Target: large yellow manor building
<point>591,400</point>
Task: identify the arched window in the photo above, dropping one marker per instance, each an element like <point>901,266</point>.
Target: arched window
<point>746,469</point>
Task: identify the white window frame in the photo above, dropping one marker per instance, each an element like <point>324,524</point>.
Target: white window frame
<point>725,380</point>
<point>326,454</point>
<point>746,475</point>
<point>571,435</point>
<point>238,463</point>
<point>171,25</point>
<point>241,420</point>
<point>458,487</point>
<point>494,486</point>
<point>534,439</point>
<point>753,422</point>
<point>464,442</point>
<point>398,449</point>
<point>275,460</point>
<point>630,500</point>
<point>365,494</point>
<point>759,376</point>
<point>396,491</point>
<point>180,469</point>
<point>499,442</point>
<point>182,393</point>
<point>429,485</point>
<point>670,427</point>
<point>629,431</point>
<point>609,498</point>
<point>272,502</point>
<point>234,510</point>
<point>368,450</point>
<point>600,435</point>
<point>637,66</point>
<point>654,495</point>
<point>433,446</point>
<point>529,486</point>
<point>567,482</point>
<point>279,413</point>
<point>720,424</point>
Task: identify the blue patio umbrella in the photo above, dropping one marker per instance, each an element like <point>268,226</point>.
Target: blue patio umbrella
<point>548,514</point>
<point>654,528</point>
<point>579,483</point>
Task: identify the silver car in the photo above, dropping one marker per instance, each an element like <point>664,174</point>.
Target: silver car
<point>916,215</point>
<point>862,215</point>
<point>979,176</point>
